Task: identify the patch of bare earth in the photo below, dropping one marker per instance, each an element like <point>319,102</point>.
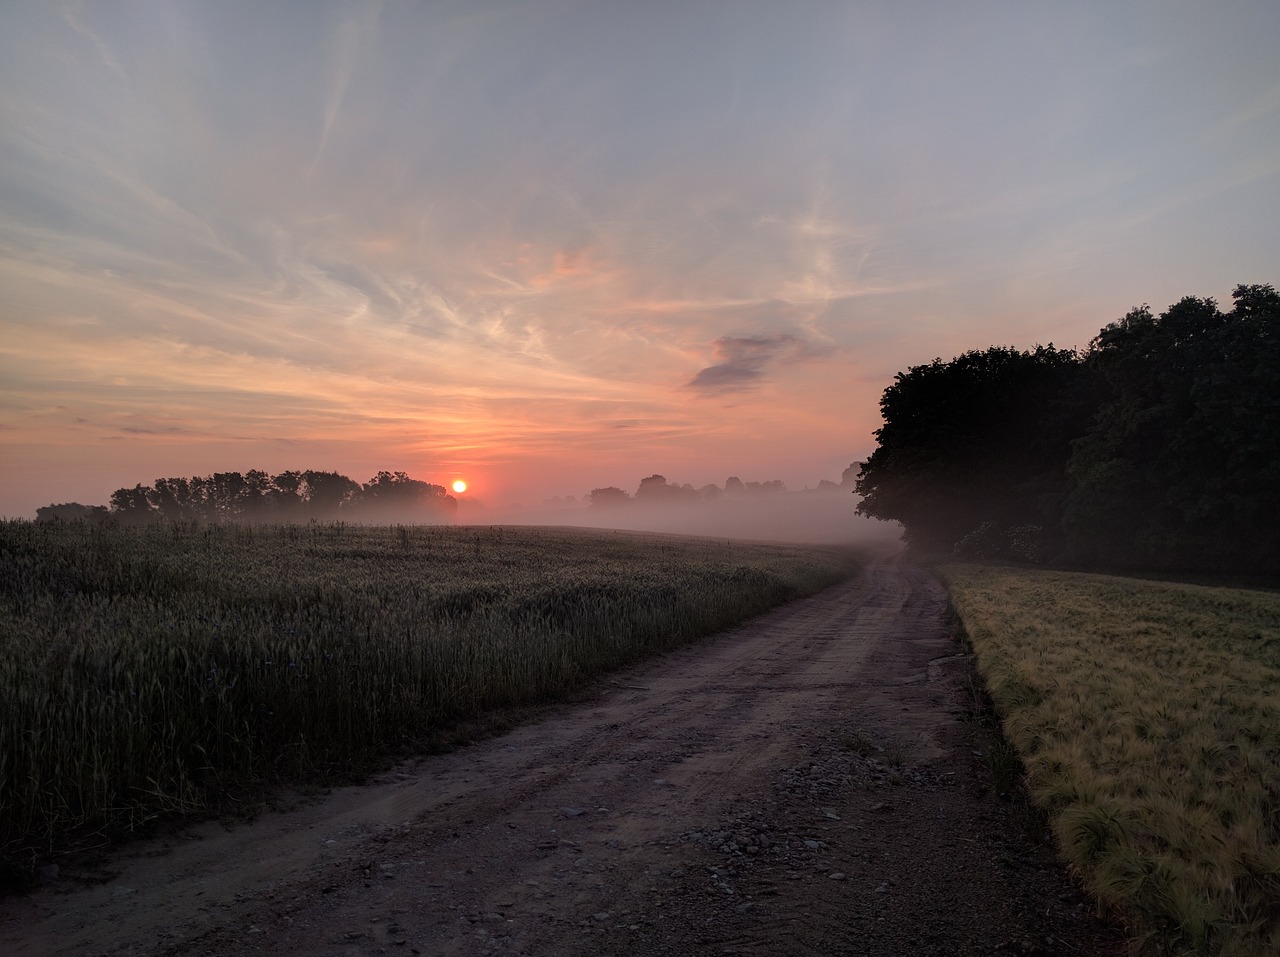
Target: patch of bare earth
<point>805,784</point>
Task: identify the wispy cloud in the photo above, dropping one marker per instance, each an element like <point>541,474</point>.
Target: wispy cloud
<point>350,39</point>
<point>73,14</point>
<point>521,237</point>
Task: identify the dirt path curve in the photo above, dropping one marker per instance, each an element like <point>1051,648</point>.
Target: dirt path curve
<point>804,784</point>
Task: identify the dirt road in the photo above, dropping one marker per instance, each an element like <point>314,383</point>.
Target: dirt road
<point>805,784</point>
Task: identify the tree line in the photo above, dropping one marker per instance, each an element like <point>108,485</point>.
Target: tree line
<point>656,490</point>
<point>256,496</point>
<point>1157,446</point>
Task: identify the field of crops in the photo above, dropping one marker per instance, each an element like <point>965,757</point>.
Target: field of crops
<point>154,669</point>
<point>1147,715</point>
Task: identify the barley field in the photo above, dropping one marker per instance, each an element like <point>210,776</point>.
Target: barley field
<point>158,669</point>
<point>1147,715</point>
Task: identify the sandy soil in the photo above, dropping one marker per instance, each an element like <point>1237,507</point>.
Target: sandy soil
<point>805,784</point>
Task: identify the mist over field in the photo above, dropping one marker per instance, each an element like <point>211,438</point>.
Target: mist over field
<point>812,516</point>
<point>752,510</point>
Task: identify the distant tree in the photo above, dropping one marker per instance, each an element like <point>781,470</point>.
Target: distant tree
<point>203,497</point>
<point>733,486</point>
<point>258,499</point>
<point>394,495</point>
<point>326,494</point>
<point>232,496</point>
<point>227,492</point>
<point>711,492</point>
<point>256,496</point>
<point>609,497</point>
<point>287,493</point>
<point>131,505</point>
<point>827,485</point>
<point>655,490</point>
<point>775,485</point>
<point>72,512</point>
<point>171,498</point>
<point>849,477</point>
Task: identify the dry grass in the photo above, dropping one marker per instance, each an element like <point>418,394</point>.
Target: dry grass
<point>163,668</point>
<point>1147,715</point>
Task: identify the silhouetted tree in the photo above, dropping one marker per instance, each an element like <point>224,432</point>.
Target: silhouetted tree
<point>227,492</point>
<point>72,512</point>
<point>326,494</point>
<point>1182,463</point>
<point>172,498</point>
<point>287,493</point>
<point>231,496</point>
<point>131,505</point>
<point>394,495</point>
<point>655,490</point>
<point>258,498</point>
<point>1159,447</point>
<point>982,438</point>
<point>610,497</point>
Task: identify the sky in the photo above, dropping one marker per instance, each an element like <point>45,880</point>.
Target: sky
<point>549,246</point>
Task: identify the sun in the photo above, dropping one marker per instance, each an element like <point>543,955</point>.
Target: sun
<point>459,486</point>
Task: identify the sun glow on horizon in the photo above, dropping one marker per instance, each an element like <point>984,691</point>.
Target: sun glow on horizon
<point>558,294</point>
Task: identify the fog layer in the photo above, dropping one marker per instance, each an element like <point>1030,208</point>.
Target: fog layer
<point>819,516</point>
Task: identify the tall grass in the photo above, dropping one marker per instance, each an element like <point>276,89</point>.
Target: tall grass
<point>1147,715</point>
<point>155,669</point>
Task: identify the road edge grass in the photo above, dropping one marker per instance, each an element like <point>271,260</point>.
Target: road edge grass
<point>1147,718</point>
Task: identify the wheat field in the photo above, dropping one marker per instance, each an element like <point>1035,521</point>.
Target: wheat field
<point>160,669</point>
<point>1147,715</point>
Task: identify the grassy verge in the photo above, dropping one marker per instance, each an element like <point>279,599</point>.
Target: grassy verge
<point>1147,715</point>
<point>152,670</point>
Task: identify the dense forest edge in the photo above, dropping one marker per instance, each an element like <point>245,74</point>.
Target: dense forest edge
<point>1156,448</point>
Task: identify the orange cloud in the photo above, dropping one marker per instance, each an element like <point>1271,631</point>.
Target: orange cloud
<point>577,267</point>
